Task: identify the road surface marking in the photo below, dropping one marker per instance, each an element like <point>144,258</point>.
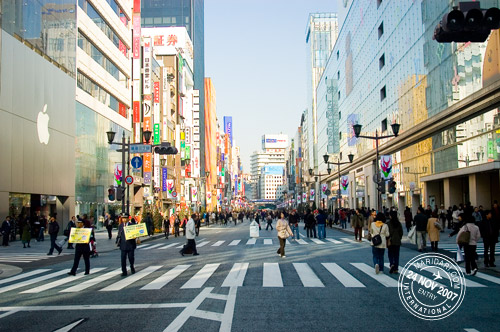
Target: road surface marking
<point>199,279</point>
<point>69,327</point>
<point>23,275</point>
<point>236,276</point>
<point>59,282</point>
<point>334,241</point>
<point>268,241</point>
<point>468,283</point>
<point>142,246</point>
<point>161,281</point>
<point>272,275</point>
<point>92,282</point>
<point>131,279</point>
<point>343,276</point>
<point>168,246</point>
<point>201,244</point>
<point>252,241</point>
<point>381,277</point>
<point>301,241</point>
<point>218,243</point>
<point>32,281</point>
<point>234,242</point>
<point>153,246</point>
<point>346,239</point>
<point>485,276</point>
<point>317,241</point>
<point>307,275</point>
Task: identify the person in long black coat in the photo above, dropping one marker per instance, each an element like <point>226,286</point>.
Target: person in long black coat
<point>81,249</point>
<point>6,228</point>
<point>489,232</point>
<point>127,247</point>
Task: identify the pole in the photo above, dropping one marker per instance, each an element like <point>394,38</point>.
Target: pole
<point>338,167</point>
<point>128,173</point>
<point>379,179</point>
<point>123,172</point>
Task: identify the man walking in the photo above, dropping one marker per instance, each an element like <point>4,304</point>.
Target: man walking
<point>190,235</point>
<point>6,227</point>
<point>293,220</point>
<point>321,221</point>
<point>108,223</point>
<point>421,228</point>
<point>53,230</point>
<point>357,222</point>
<point>489,233</point>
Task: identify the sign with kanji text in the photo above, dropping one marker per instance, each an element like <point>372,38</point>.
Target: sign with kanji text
<point>79,235</point>
<point>135,231</point>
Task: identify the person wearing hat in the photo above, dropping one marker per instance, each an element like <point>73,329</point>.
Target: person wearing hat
<point>81,249</point>
<point>127,247</point>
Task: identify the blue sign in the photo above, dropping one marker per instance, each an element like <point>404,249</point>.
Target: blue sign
<point>136,162</point>
<point>164,179</point>
<point>147,177</point>
<point>273,170</point>
<point>228,127</point>
<point>140,148</point>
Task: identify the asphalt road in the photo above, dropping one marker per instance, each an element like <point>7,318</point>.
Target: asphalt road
<point>233,285</point>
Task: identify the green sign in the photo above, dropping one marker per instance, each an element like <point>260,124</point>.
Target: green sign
<point>222,172</point>
<point>188,152</point>
<point>156,133</point>
<point>183,148</point>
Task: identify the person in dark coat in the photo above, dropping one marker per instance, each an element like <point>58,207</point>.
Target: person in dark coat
<point>489,232</point>
<point>408,219</point>
<point>127,247</point>
<point>71,224</point>
<point>81,249</point>
<point>26,233</point>
<point>53,231</point>
<point>5,230</point>
<point>421,220</point>
<point>166,226</point>
<point>108,223</point>
<point>396,234</point>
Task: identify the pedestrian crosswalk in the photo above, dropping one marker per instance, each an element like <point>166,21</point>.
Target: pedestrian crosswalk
<point>251,242</point>
<point>26,257</point>
<point>187,276</point>
<point>479,248</point>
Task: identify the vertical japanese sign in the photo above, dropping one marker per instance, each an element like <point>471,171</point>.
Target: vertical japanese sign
<point>136,36</point>
<point>146,66</point>
<point>137,111</point>
<point>228,128</point>
<point>156,168</point>
<point>386,167</point>
<point>164,179</point>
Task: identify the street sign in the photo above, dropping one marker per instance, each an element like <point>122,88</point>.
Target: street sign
<point>174,194</point>
<point>136,162</point>
<point>140,148</point>
<point>129,180</point>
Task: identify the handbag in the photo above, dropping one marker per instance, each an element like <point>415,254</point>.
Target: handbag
<point>377,239</point>
<point>438,225</point>
<point>66,232</point>
<point>464,237</point>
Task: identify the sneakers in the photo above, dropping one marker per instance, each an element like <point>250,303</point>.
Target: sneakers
<point>283,256</point>
<point>474,272</point>
<point>377,269</point>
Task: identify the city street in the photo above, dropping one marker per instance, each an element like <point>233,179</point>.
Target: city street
<point>235,284</point>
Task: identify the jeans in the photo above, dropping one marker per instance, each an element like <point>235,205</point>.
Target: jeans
<point>343,223</point>
<point>321,231</point>
<point>421,240</point>
<point>489,252</point>
<point>281,250</point>
<point>53,244</point>
<point>40,235</point>
<point>470,258</point>
<point>393,253</point>
<point>295,231</point>
<point>378,257</point>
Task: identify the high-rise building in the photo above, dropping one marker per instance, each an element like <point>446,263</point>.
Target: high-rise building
<point>188,14</point>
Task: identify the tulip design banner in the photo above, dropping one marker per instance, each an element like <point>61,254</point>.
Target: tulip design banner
<point>170,189</point>
<point>312,194</point>
<point>118,174</point>
<point>194,194</point>
<point>344,184</point>
<point>324,188</point>
<point>304,198</point>
<point>209,198</point>
<point>386,167</point>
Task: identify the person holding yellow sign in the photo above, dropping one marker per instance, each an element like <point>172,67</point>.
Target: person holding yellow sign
<point>127,247</point>
<point>81,237</point>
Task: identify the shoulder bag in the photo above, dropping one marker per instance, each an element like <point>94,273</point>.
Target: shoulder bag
<point>377,239</point>
<point>464,237</point>
<point>283,234</point>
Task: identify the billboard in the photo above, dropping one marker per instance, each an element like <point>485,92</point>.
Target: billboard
<point>228,128</point>
<point>170,41</point>
<point>273,170</point>
<point>274,142</point>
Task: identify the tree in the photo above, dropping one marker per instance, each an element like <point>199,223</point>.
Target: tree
<point>157,219</point>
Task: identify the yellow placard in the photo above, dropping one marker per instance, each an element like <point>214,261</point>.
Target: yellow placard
<point>135,231</point>
<point>79,235</point>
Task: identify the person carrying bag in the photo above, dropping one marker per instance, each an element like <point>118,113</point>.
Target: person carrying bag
<point>284,232</point>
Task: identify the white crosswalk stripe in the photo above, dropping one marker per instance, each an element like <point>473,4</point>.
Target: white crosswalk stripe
<point>131,279</point>
<point>158,283</point>
<point>268,241</point>
<point>342,275</point>
<point>27,257</point>
<point>199,279</point>
<point>153,246</point>
<point>236,276</point>
<point>272,275</point>
<point>301,241</point>
<point>334,241</point>
<point>92,282</point>
<point>218,243</point>
<point>32,281</point>
<point>307,276</point>
<point>202,244</point>
<point>234,242</point>
<point>317,241</point>
<point>252,241</point>
<point>23,276</point>
<point>168,246</point>
<point>59,282</point>
<point>370,271</point>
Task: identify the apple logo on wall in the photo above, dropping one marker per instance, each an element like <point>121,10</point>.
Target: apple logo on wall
<point>42,125</point>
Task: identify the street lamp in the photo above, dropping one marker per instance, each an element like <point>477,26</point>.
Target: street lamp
<point>357,132</point>
<point>125,147</point>
<point>338,163</point>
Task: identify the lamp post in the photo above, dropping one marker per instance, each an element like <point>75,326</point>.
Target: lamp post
<point>125,147</point>
<point>318,177</point>
<point>357,132</point>
<point>338,163</point>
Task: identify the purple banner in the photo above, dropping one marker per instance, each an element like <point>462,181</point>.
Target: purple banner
<point>163,179</point>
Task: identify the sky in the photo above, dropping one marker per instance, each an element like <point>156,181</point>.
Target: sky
<point>255,54</point>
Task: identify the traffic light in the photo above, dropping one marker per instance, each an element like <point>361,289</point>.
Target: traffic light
<point>392,187</point>
<point>470,23</point>
<point>111,193</point>
<point>120,193</point>
<point>165,148</point>
<point>381,186</point>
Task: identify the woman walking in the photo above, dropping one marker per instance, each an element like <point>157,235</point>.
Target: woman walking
<point>379,228</point>
<point>284,232</point>
<point>470,248</point>
<point>396,233</point>
<point>433,230</point>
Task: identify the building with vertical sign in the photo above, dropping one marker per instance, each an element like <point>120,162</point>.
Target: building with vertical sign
<point>211,142</point>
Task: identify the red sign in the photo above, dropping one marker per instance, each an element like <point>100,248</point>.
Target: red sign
<point>137,111</point>
<point>137,6</point>
<point>156,87</point>
<point>171,40</point>
<point>158,40</point>
<point>136,37</point>
<point>129,180</point>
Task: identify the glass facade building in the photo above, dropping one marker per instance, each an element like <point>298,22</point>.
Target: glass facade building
<point>386,68</point>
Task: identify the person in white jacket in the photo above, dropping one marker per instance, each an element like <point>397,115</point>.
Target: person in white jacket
<point>190,235</point>
<point>470,249</point>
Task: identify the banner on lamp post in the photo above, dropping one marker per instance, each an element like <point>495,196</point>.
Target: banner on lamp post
<point>194,194</point>
<point>324,188</point>
<point>344,185</point>
<point>170,189</point>
<point>312,194</point>
<point>386,167</point>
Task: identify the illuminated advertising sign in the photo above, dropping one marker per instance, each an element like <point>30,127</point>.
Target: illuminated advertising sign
<point>274,142</point>
<point>273,170</point>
